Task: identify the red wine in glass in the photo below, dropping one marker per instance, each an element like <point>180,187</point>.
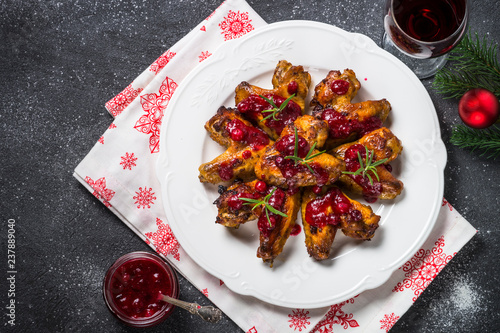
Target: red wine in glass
<point>425,28</point>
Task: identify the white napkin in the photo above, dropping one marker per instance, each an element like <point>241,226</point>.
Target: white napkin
<point>120,172</point>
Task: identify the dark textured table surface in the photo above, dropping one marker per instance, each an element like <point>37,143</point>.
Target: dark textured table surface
<point>60,61</point>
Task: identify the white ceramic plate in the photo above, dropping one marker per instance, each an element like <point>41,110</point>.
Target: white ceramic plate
<point>296,280</point>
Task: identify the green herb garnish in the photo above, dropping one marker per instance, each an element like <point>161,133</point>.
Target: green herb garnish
<point>367,166</point>
<point>275,110</point>
<point>267,206</point>
<point>305,161</point>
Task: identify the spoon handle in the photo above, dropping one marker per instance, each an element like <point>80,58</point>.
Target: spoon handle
<point>207,313</point>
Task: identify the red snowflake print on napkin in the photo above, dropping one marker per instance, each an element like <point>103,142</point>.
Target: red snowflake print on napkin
<point>235,25</point>
<point>154,105</point>
<point>299,319</point>
<point>144,198</point>
<point>336,316</point>
<point>204,55</point>
<point>423,268</point>
<point>205,292</point>
<point>252,330</point>
<point>122,100</point>
<point>445,202</point>
<point>388,321</point>
<point>161,62</point>
<point>128,161</point>
<point>164,240</point>
<point>100,191</point>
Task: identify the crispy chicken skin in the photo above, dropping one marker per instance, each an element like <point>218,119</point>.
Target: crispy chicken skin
<point>242,166</point>
<point>382,141</point>
<point>363,229</point>
<point>313,130</point>
<point>272,245</point>
<point>385,145</point>
<point>319,240</point>
<point>310,129</point>
<point>391,186</point>
<point>284,73</point>
<point>216,126</point>
<point>324,97</point>
<point>231,217</point>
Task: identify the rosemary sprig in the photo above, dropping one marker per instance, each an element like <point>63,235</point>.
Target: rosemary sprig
<point>267,206</point>
<point>367,166</point>
<point>305,161</point>
<point>275,110</point>
<point>473,63</point>
<point>487,140</point>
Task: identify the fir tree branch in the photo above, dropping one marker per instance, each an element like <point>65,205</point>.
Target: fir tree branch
<point>486,140</point>
<point>472,64</point>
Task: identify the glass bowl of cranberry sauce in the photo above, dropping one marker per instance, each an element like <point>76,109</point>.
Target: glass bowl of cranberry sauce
<point>133,285</point>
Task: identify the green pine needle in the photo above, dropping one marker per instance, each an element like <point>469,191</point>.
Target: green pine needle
<point>487,140</point>
<point>473,63</point>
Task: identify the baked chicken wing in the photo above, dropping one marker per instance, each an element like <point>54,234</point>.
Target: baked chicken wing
<point>244,142</point>
<point>275,229</point>
<point>375,146</point>
<point>323,213</point>
<point>232,211</point>
<point>255,102</point>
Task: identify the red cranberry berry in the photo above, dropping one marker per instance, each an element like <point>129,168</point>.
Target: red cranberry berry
<point>246,154</point>
<point>292,87</point>
<point>356,215</point>
<point>237,134</point>
<point>340,87</point>
<point>261,186</point>
<point>295,230</point>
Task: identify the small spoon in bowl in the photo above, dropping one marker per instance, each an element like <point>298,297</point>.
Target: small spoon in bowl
<point>207,312</point>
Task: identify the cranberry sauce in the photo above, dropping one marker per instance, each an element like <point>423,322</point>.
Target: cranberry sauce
<point>296,230</point>
<point>254,106</point>
<point>370,192</point>
<point>277,201</point>
<point>341,127</point>
<point>226,169</point>
<point>289,167</point>
<point>133,287</point>
<point>249,135</point>
<point>328,209</point>
<point>235,203</point>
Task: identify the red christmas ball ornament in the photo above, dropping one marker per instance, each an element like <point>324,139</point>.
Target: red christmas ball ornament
<point>479,108</point>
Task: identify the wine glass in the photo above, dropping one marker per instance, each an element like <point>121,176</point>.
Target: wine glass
<point>421,32</point>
